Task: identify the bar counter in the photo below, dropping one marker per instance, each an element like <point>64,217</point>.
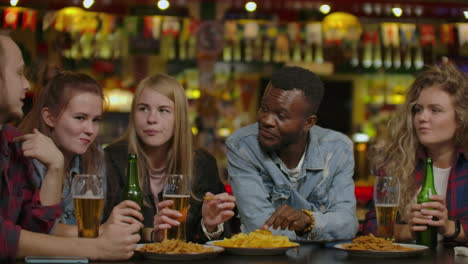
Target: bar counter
<point>314,253</point>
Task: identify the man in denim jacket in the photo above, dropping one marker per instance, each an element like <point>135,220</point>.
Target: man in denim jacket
<point>288,173</point>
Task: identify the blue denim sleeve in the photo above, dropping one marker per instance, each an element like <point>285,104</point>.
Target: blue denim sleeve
<point>247,186</point>
<point>339,220</point>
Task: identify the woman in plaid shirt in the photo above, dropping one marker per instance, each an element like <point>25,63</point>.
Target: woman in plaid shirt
<point>433,122</point>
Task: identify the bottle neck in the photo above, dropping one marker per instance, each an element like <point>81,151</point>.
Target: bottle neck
<point>429,177</point>
<point>132,173</point>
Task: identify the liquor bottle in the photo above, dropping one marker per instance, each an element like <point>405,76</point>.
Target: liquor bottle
<point>308,53</point>
<point>388,56</point>
<point>227,51</point>
<point>318,54</point>
<point>396,57</point>
<point>133,191</point>
<point>427,237</point>
<point>377,58</point>
<point>248,51</point>
<point>266,56</point>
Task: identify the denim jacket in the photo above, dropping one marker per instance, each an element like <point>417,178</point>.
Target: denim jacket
<point>324,186</point>
<point>68,209</point>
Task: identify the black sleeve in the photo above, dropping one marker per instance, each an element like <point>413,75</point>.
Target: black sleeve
<point>115,157</point>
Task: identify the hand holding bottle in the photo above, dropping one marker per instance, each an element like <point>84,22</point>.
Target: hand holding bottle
<point>439,213</point>
<point>127,212</point>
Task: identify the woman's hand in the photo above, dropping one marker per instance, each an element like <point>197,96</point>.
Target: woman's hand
<point>439,215</point>
<point>165,219</point>
<point>38,146</point>
<point>433,213</point>
<point>217,209</point>
<point>127,212</point>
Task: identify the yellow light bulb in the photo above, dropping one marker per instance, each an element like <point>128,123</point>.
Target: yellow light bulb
<point>325,9</point>
<point>251,6</point>
<point>397,11</point>
<point>163,4</point>
<point>88,3</point>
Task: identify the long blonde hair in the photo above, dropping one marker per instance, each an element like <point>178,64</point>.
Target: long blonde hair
<point>395,153</point>
<point>56,95</point>
<point>180,156</point>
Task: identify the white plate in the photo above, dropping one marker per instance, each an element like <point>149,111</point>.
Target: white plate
<point>180,256</point>
<point>255,251</point>
<point>418,250</point>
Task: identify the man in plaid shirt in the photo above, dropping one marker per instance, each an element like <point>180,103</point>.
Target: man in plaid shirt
<point>25,220</point>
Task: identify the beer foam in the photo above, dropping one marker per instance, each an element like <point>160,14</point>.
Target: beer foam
<point>176,195</point>
<point>88,196</point>
<point>386,205</point>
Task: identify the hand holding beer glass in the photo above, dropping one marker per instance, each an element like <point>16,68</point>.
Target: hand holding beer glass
<point>88,199</point>
<point>177,188</point>
<point>386,199</point>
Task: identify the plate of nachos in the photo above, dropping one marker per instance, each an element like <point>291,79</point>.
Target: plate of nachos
<point>177,250</point>
<point>259,242</point>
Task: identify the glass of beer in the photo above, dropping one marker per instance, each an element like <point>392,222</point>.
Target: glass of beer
<point>88,199</point>
<point>386,198</point>
<point>177,188</point>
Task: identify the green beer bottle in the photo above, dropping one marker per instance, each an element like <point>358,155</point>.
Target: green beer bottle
<point>429,236</point>
<point>133,191</point>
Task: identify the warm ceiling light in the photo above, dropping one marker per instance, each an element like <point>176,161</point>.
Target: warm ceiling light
<point>397,11</point>
<point>466,14</point>
<point>163,4</point>
<point>325,9</point>
<point>88,3</point>
<point>250,6</point>
<point>14,2</point>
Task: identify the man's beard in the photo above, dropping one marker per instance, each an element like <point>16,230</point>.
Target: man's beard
<point>269,148</point>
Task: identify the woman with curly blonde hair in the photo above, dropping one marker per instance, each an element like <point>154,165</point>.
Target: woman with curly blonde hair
<point>433,122</point>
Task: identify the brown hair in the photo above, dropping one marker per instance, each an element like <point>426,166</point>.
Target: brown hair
<point>5,34</point>
<point>56,95</point>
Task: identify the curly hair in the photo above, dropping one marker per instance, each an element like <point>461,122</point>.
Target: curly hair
<point>395,153</point>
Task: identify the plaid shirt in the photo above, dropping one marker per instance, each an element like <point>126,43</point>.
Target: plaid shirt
<point>456,198</point>
<point>20,207</point>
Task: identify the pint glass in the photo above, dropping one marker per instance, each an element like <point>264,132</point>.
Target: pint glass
<point>88,199</point>
<point>177,188</point>
<point>386,198</point>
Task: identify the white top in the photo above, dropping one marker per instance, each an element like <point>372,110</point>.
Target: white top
<point>441,180</point>
<point>294,172</point>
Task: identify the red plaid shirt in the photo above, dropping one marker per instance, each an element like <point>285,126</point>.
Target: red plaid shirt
<point>20,207</point>
<point>456,198</point>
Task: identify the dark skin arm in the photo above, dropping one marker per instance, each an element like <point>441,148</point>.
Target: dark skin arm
<point>289,218</point>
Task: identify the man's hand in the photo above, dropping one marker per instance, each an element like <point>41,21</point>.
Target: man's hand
<point>117,241</point>
<point>289,218</point>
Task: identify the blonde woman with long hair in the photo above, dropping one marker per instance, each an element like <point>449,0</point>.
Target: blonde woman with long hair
<point>433,122</point>
<point>159,132</point>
